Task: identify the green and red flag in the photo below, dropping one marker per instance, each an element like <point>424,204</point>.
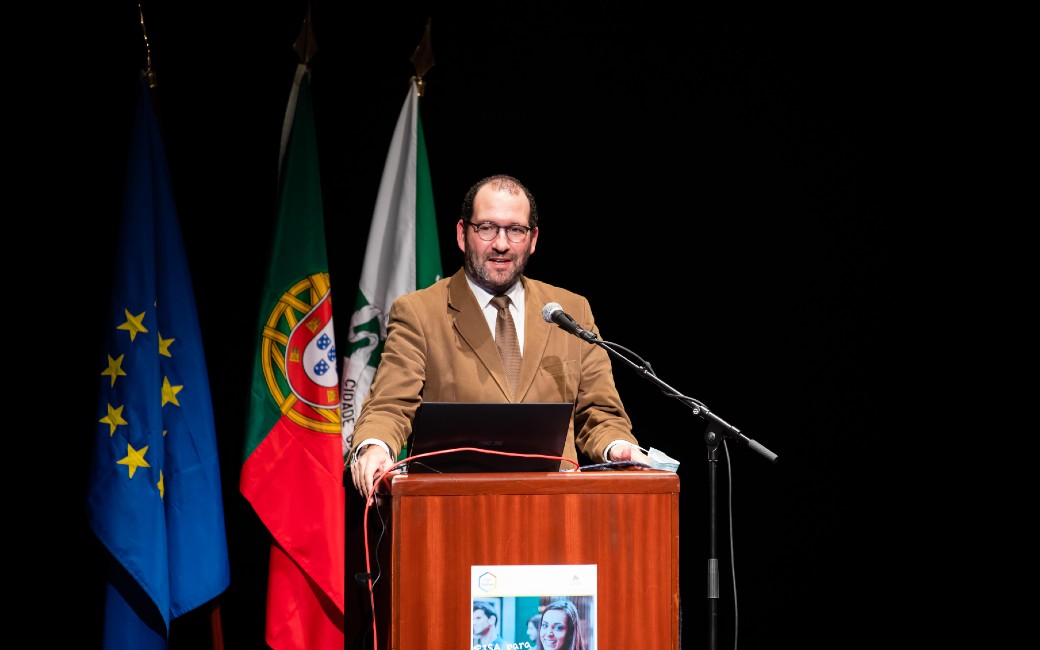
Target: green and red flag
<point>292,473</point>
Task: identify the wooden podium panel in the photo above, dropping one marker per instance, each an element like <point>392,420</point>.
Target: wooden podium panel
<point>624,522</point>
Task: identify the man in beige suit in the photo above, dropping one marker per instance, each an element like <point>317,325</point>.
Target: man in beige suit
<point>440,343</point>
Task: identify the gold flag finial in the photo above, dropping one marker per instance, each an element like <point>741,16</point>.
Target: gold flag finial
<point>422,58</point>
<point>148,71</point>
<point>306,46</point>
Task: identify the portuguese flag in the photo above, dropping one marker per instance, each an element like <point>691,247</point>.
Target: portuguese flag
<point>292,473</point>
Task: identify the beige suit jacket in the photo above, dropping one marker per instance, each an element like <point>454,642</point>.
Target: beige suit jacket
<point>439,348</point>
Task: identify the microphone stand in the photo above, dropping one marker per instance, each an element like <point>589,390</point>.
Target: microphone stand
<point>712,439</point>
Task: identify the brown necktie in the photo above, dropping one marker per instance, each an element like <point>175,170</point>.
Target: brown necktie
<point>505,339</point>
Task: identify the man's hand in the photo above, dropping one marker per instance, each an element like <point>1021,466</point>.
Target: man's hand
<point>622,452</point>
<point>372,461</point>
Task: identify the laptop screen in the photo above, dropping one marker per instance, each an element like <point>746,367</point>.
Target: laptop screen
<point>517,428</point>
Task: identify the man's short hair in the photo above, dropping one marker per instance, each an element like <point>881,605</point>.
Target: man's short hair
<point>486,607</point>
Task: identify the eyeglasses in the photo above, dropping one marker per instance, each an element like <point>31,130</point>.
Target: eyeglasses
<point>488,231</point>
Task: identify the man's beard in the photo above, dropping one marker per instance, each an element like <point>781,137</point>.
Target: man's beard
<point>474,264</point>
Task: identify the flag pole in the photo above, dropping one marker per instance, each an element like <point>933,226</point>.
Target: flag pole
<point>306,46</point>
<point>149,72</point>
<point>422,58</point>
<point>216,624</point>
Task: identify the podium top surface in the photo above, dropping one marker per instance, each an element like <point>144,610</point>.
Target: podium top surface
<point>648,481</point>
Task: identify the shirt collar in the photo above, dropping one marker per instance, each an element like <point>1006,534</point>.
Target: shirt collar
<point>483,296</point>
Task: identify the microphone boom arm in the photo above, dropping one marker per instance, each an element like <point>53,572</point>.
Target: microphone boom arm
<point>696,406</point>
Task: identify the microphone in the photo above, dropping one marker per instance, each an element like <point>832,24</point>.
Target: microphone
<point>553,313</point>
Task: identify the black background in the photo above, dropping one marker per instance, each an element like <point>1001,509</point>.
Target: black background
<point>723,189</point>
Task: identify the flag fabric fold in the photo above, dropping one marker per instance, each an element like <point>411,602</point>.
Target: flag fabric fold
<point>292,472</point>
<point>154,499</point>
<point>402,255</point>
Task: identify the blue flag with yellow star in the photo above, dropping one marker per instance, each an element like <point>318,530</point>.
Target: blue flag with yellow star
<point>154,498</point>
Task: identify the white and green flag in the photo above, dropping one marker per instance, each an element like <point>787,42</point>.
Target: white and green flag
<point>402,255</point>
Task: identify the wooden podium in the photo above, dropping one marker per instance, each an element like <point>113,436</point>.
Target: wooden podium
<point>625,522</point>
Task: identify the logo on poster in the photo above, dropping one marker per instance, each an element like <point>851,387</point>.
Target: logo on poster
<point>487,581</point>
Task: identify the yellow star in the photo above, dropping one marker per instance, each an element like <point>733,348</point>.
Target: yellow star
<point>113,419</point>
<point>169,393</point>
<point>134,459</point>
<point>162,485</point>
<point>164,346</point>
<point>133,324</point>
<point>114,368</point>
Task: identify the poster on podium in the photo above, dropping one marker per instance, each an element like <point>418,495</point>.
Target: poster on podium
<point>517,606</point>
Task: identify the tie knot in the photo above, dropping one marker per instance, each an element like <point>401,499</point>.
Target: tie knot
<point>500,301</point>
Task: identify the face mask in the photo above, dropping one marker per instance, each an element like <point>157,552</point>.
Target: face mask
<point>661,460</point>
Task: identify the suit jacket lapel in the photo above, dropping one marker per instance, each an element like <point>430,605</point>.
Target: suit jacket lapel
<point>536,337</point>
<point>473,328</point>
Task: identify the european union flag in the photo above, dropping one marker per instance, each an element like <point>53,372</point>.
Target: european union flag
<point>155,496</point>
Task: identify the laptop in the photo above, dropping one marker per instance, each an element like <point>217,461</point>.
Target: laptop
<point>523,428</point>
